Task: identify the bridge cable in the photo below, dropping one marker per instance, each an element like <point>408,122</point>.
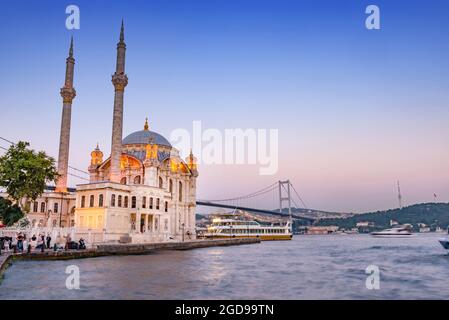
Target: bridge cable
<point>251,195</point>
<point>299,197</point>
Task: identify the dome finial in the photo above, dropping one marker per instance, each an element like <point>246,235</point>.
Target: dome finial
<point>145,127</point>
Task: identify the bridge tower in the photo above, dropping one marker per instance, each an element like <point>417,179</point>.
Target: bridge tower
<point>399,196</point>
<point>284,196</point>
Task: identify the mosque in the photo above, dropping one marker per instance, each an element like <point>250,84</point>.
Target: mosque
<point>142,192</point>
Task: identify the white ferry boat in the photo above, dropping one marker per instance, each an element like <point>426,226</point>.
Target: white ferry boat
<point>230,227</point>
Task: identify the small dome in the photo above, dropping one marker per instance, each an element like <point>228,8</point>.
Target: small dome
<point>145,137</point>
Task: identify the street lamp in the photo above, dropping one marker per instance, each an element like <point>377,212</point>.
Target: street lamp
<point>60,209</point>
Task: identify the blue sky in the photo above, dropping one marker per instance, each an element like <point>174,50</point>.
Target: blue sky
<point>356,109</point>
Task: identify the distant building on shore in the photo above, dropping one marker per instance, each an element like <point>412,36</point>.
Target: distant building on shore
<point>364,224</point>
<point>320,230</point>
<point>423,227</point>
<point>393,223</point>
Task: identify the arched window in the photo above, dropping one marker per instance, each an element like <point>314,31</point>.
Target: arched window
<point>123,180</point>
<point>119,201</point>
<point>166,206</point>
<point>55,207</point>
<point>133,202</point>
<point>161,182</point>
<point>157,203</point>
<point>170,184</point>
<point>180,191</point>
<point>83,201</point>
<point>151,203</point>
<point>91,200</point>
<point>144,202</point>
<point>137,180</point>
<point>125,204</point>
<point>35,206</point>
<point>113,200</point>
<point>42,207</point>
<point>100,200</point>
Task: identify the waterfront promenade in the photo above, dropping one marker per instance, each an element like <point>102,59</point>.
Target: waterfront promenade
<point>102,250</point>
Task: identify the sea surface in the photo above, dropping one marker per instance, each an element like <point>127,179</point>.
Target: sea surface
<point>308,267</point>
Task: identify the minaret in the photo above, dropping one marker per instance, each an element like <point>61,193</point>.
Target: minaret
<point>67,94</point>
<point>120,80</point>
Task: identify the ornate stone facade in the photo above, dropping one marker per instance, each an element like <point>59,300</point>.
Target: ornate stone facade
<point>144,191</point>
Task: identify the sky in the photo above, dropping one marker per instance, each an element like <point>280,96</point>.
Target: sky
<point>356,109</point>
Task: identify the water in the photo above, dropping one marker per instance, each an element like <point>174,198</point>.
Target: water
<point>308,267</point>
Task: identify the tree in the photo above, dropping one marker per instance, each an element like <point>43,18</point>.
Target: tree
<point>9,213</point>
<point>25,172</point>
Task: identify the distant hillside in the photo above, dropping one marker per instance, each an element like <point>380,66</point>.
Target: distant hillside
<point>319,214</point>
<point>313,213</point>
<point>431,214</point>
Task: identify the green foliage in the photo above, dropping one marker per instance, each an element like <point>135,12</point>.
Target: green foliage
<point>24,172</point>
<point>432,214</point>
<point>9,213</point>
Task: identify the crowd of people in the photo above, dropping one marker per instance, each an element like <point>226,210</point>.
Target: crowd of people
<point>22,244</point>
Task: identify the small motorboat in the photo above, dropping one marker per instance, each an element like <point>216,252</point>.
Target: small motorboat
<point>397,232</point>
<point>444,242</point>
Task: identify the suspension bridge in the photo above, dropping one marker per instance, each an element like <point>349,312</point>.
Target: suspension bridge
<point>257,202</point>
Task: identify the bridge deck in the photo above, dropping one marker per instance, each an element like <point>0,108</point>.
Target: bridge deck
<point>227,206</point>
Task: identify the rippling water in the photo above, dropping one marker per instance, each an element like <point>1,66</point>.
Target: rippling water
<point>308,267</point>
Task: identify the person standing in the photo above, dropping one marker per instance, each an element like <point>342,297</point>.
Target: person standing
<point>48,240</point>
<point>14,244</point>
<point>43,243</point>
<point>20,242</point>
<point>25,243</point>
<point>67,242</point>
<point>6,245</point>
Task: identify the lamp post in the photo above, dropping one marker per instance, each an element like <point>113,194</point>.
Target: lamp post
<point>182,225</point>
<point>60,210</point>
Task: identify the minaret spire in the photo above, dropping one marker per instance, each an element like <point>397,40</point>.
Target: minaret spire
<point>67,94</point>
<point>122,33</point>
<point>119,80</point>
<point>71,48</point>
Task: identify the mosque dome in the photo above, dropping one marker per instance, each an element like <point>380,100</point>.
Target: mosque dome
<point>146,136</point>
